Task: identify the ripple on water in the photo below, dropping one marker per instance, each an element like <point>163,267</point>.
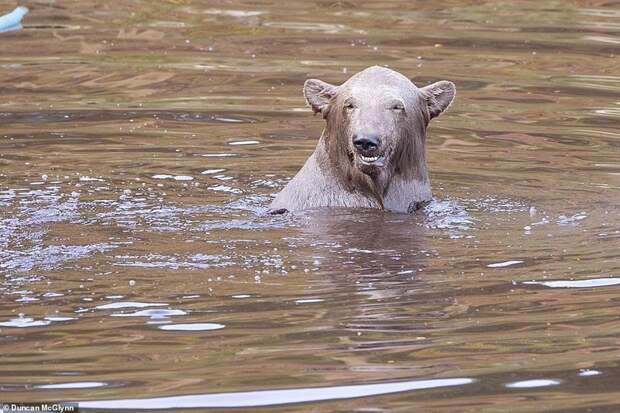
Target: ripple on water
<point>52,294</point>
<point>234,13</point>
<point>223,177</point>
<point>504,264</point>
<point>571,220</point>
<point>307,26</point>
<point>24,322</point>
<point>240,143</point>
<point>219,155</point>
<point>50,257</point>
<point>152,313</point>
<point>588,283</point>
<point>59,318</point>
<point>196,261</point>
<point>72,385</point>
<point>309,301</point>
<point>588,372</point>
<point>128,304</point>
<point>225,188</point>
<point>212,171</point>
<point>90,179</point>
<point>253,203</point>
<point>528,384</point>
<point>448,215</point>
<point>268,183</point>
<point>192,327</point>
<point>275,397</point>
<point>175,177</point>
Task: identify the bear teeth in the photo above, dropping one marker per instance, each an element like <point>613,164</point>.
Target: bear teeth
<point>369,158</point>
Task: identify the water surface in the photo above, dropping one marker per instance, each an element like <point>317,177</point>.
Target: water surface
<point>140,143</point>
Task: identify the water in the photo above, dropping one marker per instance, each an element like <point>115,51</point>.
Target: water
<point>140,142</point>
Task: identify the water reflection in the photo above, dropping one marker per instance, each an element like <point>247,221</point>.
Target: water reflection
<point>367,242</point>
<point>192,327</point>
<point>274,397</point>
<point>527,384</point>
<point>588,283</point>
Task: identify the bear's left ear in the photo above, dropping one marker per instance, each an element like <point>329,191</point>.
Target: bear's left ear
<point>438,96</point>
<point>318,94</point>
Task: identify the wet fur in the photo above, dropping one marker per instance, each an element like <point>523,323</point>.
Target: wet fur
<point>408,154</point>
<point>331,178</point>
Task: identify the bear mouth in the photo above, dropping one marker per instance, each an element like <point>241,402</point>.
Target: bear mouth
<point>372,160</point>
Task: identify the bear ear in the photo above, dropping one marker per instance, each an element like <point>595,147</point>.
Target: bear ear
<point>318,94</point>
<point>438,96</point>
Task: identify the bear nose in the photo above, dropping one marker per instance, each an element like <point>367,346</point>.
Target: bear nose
<point>366,142</point>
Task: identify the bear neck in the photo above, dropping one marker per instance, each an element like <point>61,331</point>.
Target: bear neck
<point>336,161</point>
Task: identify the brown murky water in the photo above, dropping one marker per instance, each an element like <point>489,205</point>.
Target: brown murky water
<point>140,142</point>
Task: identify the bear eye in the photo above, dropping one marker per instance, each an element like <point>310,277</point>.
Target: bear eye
<point>349,105</point>
<point>397,106</point>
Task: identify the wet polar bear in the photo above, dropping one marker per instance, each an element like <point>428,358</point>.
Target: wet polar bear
<point>371,153</point>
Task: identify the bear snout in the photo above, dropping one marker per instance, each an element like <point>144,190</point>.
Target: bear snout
<point>367,144</point>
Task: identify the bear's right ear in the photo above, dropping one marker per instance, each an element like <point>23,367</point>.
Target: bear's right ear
<point>318,94</point>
